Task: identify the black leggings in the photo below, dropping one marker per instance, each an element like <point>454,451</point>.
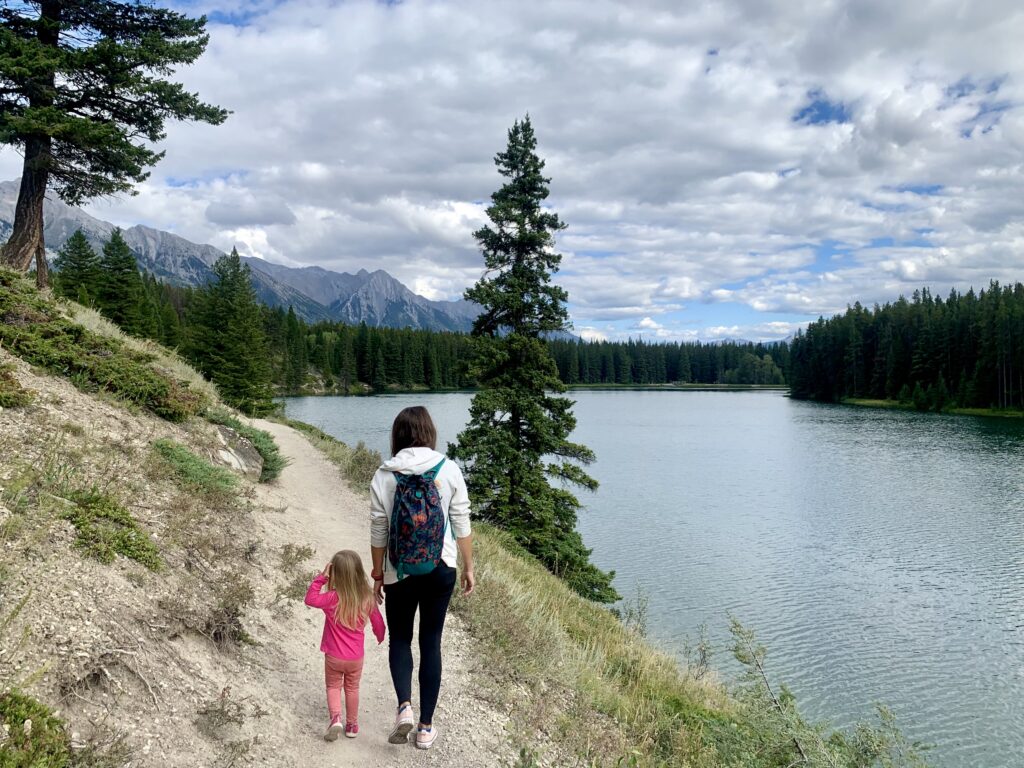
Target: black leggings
<point>431,593</point>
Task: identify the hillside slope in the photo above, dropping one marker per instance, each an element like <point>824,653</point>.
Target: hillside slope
<point>153,596</point>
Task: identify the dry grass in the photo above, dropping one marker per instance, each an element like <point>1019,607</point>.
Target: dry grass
<point>575,659</point>
<point>172,363</point>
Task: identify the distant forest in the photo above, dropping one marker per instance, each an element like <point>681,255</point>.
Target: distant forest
<point>966,351</point>
<point>338,357</point>
<point>335,357</point>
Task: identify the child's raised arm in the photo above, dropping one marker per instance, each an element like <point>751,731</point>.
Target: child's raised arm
<point>377,622</point>
<point>314,598</point>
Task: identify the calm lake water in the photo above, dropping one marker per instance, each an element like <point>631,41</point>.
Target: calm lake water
<point>878,554</point>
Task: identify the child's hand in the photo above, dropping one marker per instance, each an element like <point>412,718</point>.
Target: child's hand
<point>326,571</point>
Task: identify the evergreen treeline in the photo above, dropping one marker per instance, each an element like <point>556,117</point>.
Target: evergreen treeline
<point>335,357</point>
<point>640,362</point>
<point>965,351</point>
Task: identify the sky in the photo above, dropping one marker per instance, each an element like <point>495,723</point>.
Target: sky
<point>727,169</point>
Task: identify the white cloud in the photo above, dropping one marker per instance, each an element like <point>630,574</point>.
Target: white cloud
<point>588,333</point>
<point>363,133</point>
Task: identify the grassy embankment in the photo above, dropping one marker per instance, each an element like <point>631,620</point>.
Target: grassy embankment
<point>147,508</point>
<point>896,405</point>
<point>585,687</point>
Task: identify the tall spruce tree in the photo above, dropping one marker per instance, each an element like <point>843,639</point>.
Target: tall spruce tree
<point>79,272</point>
<point>119,295</point>
<point>517,440</point>
<point>226,337</point>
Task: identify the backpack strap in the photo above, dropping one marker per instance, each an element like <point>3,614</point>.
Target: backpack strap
<point>430,474</point>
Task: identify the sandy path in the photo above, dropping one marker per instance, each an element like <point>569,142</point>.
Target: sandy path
<point>318,508</point>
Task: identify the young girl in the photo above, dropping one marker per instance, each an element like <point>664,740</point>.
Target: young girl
<point>347,604</point>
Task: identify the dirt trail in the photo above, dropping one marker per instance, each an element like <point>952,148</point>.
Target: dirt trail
<point>316,507</point>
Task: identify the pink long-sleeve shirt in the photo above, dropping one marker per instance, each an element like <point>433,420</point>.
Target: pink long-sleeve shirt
<point>338,640</point>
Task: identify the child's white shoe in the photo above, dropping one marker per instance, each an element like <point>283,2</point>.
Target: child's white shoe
<point>425,737</point>
<point>334,730</point>
<point>403,725</point>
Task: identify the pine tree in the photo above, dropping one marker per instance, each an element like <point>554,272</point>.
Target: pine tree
<point>120,289</point>
<point>517,437</point>
<point>79,272</point>
<point>83,96</point>
<point>227,340</point>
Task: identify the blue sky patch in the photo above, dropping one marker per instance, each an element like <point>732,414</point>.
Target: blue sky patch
<point>822,110</point>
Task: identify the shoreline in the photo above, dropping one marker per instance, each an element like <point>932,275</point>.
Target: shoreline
<point>895,405</point>
<point>569,388</point>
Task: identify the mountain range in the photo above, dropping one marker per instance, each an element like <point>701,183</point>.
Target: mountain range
<point>376,298</point>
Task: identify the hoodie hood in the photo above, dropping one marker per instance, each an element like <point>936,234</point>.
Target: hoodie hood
<point>413,461</point>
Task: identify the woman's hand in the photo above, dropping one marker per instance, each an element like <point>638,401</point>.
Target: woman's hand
<point>468,582</point>
<point>378,591</point>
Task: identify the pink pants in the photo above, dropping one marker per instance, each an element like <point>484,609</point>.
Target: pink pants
<point>343,673</point>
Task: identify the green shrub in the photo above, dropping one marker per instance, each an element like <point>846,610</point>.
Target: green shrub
<point>273,461</point>
<point>34,329</point>
<point>193,472</point>
<point>12,394</point>
<point>44,745</point>
<point>106,529</point>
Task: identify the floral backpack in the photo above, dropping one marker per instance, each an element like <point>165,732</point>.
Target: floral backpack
<point>418,524</point>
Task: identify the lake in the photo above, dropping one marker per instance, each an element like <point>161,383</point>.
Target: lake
<point>879,555</point>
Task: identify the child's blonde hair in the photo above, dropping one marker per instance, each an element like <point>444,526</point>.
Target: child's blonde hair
<point>349,582</point>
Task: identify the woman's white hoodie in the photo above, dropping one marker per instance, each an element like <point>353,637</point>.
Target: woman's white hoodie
<point>454,500</point>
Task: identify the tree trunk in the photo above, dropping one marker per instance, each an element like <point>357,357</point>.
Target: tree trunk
<point>26,239</point>
<point>42,268</point>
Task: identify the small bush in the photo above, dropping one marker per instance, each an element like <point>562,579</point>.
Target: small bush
<point>273,461</point>
<point>292,559</point>
<point>106,529</point>
<point>43,743</point>
<point>34,329</point>
<point>224,712</point>
<point>192,472</point>
<point>224,625</point>
<point>12,394</point>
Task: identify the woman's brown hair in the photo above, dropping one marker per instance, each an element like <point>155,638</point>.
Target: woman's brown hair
<point>413,428</point>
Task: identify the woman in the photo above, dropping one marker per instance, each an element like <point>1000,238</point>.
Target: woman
<point>428,590</point>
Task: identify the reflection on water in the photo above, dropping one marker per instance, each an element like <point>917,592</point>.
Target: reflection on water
<point>878,554</point>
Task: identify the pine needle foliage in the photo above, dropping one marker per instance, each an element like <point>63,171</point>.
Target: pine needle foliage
<point>227,341</point>
<point>516,450</point>
<point>80,274</point>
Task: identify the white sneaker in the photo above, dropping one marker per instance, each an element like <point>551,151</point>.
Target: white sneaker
<point>334,730</point>
<point>425,737</point>
<point>403,725</point>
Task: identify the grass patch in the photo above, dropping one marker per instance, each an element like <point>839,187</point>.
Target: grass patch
<point>165,359</point>
<point>193,472</point>
<point>33,328</point>
<point>357,464</point>
<point>106,529</point>
<point>273,461</point>
<point>12,394</point>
